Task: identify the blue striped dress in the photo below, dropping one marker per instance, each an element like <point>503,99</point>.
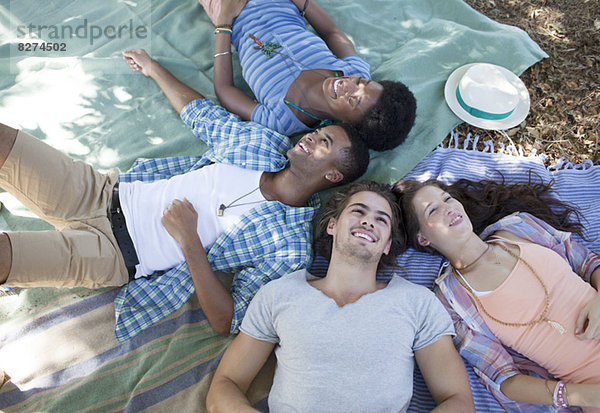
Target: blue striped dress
<point>279,21</point>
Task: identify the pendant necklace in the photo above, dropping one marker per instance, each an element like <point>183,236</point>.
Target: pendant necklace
<point>232,204</point>
<point>268,50</point>
<point>543,316</point>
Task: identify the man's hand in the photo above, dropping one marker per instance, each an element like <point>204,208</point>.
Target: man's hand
<point>181,220</point>
<point>139,61</point>
<point>588,322</point>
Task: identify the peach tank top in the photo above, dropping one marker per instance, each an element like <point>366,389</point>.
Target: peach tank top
<point>520,299</point>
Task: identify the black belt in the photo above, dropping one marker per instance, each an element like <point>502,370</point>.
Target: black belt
<point>119,228</point>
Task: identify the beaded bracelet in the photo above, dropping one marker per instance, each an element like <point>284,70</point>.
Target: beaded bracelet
<point>223,30</point>
<point>560,395</point>
<point>222,54</point>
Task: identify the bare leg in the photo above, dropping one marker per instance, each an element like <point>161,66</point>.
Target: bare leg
<point>5,257</point>
<point>7,140</point>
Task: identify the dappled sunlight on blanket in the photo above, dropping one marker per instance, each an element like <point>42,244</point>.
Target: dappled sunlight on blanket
<point>50,95</point>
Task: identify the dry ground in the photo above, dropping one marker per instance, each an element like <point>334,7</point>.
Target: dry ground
<point>564,120</point>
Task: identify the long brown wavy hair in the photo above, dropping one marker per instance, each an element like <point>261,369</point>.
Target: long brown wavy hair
<point>487,201</point>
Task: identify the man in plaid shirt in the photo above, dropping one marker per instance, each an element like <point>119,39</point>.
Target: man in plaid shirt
<point>113,227</point>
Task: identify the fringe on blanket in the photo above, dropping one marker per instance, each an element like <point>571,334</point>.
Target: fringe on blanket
<point>471,141</point>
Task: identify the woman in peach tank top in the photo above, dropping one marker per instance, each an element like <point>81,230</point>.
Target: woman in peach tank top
<point>520,298</point>
<point>523,295</point>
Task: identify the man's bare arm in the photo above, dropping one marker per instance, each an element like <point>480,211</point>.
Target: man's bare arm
<point>180,219</point>
<point>446,376</point>
<point>240,364</point>
<point>177,92</point>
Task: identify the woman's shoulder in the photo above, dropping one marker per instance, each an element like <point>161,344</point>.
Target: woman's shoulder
<point>509,236</point>
<point>511,223</point>
<point>522,226</point>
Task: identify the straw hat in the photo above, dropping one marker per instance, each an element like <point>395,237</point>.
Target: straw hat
<point>487,96</point>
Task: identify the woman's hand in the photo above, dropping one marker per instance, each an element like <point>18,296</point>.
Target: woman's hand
<point>583,395</point>
<point>230,9</point>
<point>180,219</point>
<point>139,61</point>
<point>588,322</point>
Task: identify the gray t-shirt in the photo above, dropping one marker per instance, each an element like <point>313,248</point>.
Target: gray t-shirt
<point>354,358</point>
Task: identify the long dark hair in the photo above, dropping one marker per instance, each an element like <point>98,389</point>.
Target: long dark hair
<point>488,201</point>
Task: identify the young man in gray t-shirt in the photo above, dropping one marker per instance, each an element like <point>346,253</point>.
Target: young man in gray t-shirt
<point>345,342</point>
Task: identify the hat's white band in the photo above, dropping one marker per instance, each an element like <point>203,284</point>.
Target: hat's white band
<point>480,113</point>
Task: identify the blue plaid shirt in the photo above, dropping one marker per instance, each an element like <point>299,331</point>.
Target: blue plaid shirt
<point>270,240</point>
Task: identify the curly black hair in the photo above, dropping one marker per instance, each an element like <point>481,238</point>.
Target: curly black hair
<point>355,159</point>
<point>388,122</point>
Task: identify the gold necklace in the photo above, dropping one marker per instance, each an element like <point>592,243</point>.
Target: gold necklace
<point>542,318</point>
<point>223,207</point>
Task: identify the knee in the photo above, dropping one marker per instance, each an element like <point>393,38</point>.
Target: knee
<point>7,133</point>
<point>8,136</point>
<point>5,257</point>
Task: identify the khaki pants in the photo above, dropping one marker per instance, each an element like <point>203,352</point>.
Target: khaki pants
<point>75,199</point>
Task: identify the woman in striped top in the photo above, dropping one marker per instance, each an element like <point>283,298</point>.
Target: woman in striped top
<point>302,80</point>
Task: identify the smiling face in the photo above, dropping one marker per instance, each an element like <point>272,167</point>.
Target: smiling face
<point>363,229</point>
<point>350,97</point>
<point>441,217</point>
<point>319,152</point>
